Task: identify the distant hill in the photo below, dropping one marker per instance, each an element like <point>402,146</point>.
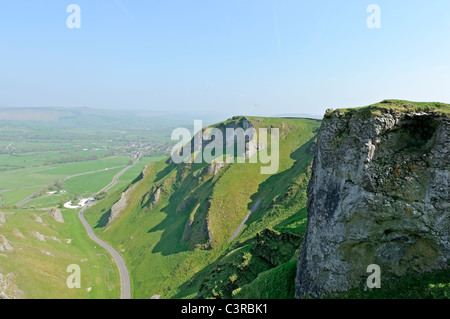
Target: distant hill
<point>87,116</point>
<point>80,115</point>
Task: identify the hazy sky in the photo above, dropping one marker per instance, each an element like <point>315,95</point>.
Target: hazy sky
<point>227,56</point>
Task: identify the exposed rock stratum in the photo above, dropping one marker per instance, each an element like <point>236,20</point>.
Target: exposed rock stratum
<point>378,194</point>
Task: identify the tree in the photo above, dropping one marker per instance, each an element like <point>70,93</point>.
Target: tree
<point>100,196</point>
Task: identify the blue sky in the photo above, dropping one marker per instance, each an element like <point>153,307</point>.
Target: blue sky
<point>231,57</point>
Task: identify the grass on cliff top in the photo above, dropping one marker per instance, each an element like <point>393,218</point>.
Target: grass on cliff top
<point>393,106</point>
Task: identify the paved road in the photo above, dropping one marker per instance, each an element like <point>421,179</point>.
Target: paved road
<point>92,172</point>
<point>125,283</point>
<point>123,271</point>
<point>116,178</point>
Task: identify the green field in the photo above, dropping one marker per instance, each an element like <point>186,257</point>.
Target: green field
<point>13,197</point>
<point>92,183</point>
<point>43,175</point>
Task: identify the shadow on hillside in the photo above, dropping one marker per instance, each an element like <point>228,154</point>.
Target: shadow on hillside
<point>278,185</point>
<point>173,225</point>
<point>103,221</point>
<point>166,171</point>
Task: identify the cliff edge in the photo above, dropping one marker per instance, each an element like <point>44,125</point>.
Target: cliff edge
<point>378,194</point>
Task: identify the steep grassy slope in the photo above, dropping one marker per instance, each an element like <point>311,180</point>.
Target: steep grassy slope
<point>183,234</point>
<point>42,249</point>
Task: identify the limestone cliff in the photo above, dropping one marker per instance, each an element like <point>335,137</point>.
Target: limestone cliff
<point>8,287</point>
<point>119,206</point>
<point>4,245</point>
<point>378,194</point>
<point>2,218</point>
<point>245,136</point>
<point>56,215</point>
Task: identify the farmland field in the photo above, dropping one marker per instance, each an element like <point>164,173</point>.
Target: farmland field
<point>43,175</point>
<point>34,155</point>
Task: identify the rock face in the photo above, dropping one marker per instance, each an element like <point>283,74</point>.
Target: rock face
<point>243,143</point>
<point>4,245</point>
<point>378,194</point>
<point>38,236</point>
<point>56,215</point>
<point>156,196</point>
<point>8,288</point>
<point>119,206</point>
<point>215,168</point>
<point>251,143</point>
<point>2,218</point>
<point>17,233</point>
<point>38,219</point>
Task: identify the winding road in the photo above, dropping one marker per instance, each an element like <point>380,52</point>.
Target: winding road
<point>125,284</point>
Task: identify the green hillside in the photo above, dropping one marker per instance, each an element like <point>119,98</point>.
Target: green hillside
<point>183,235</point>
<point>42,249</point>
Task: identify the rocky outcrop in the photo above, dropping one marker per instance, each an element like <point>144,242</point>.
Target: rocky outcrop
<point>215,168</point>
<point>244,141</point>
<point>2,218</point>
<point>38,236</point>
<point>43,238</point>
<point>47,253</point>
<point>8,288</point>
<point>16,233</point>
<point>4,245</point>
<point>251,144</point>
<point>37,219</point>
<point>119,206</point>
<point>156,196</point>
<point>56,215</point>
<point>378,194</point>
